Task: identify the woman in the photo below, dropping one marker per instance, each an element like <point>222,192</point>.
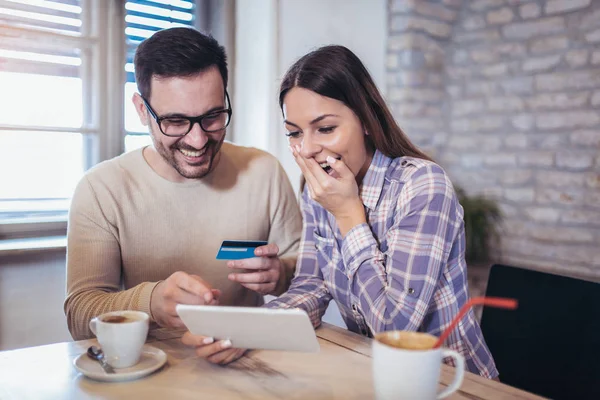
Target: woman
<point>383,231</point>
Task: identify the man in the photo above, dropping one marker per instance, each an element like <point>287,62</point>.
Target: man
<point>145,227</point>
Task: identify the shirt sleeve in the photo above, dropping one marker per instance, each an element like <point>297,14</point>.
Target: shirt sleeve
<point>94,266</point>
<point>307,291</point>
<point>395,288</point>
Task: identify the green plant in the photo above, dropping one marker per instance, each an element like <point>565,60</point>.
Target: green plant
<point>482,217</point>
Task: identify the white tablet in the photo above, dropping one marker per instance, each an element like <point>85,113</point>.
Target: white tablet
<point>252,327</point>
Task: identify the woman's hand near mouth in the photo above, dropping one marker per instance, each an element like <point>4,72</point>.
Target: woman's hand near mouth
<point>338,194</point>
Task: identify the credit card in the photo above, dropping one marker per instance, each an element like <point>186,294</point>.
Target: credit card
<point>238,249</point>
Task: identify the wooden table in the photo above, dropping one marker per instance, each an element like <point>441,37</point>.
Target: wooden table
<point>341,370</point>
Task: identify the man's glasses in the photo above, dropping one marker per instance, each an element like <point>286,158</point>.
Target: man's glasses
<point>179,126</point>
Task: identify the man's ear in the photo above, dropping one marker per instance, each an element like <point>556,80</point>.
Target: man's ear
<point>140,108</point>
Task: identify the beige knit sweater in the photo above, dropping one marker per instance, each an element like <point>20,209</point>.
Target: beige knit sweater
<point>129,228</point>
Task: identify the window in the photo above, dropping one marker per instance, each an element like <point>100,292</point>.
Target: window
<point>42,144</point>
<point>66,81</point>
<point>143,18</point>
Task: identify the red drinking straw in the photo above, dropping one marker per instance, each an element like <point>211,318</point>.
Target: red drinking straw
<point>498,302</point>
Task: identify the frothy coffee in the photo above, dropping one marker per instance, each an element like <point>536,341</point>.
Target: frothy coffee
<point>117,319</point>
<point>407,340</point>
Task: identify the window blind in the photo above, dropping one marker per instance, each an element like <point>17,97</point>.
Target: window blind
<point>144,17</point>
<point>23,55</point>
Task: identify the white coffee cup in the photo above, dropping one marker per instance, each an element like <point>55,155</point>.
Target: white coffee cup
<point>405,366</point>
<point>121,342</point>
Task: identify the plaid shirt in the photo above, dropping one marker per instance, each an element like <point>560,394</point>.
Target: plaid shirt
<point>404,269</point>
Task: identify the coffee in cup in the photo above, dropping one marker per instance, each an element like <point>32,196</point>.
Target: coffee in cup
<point>406,366</point>
<point>117,319</point>
<point>121,335</point>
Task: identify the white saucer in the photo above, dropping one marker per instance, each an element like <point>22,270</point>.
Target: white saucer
<point>151,360</point>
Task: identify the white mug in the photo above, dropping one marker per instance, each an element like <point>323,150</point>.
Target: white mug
<point>121,342</point>
<point>409,374</point>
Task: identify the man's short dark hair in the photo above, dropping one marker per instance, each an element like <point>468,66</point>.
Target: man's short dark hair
<point>177,52</point>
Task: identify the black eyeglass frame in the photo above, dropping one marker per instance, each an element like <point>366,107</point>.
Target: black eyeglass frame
<point>192,120</point>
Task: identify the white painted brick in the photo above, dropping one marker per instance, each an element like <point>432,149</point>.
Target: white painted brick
<point>501,16</point>
<point>568,119</point>
<point>586,138</point>
<point>458,73</point>
<point>434,60</point>
<point>520,176</point>
<point>481,124</point>
<point>519,195</point>
<point>559,179</point>
<point>563,6</point>
<point>543,214</point>
<point>549,44</point>
<point>454,91</point>
<point>471,160</point>
<point>412,78</point>
<point>554,101</point>
<point>461,142</point>
<point>422,41</point>
<point>482,56</point>
<point>593,37</point>
<point>401,23</point>
<point>466,107</point>
<point>508,210</point>
<point>583,217</point>
<point>460,56</point>
<point>577,58</point>
<point>487,35</point>
<point>480,5</point>
<point>522,122</point>
<point>424,8</point>
<point>489,142</point>
<point>592,180</point>
<point>526,30</point>
<point>486,88</point>
<point>549,141</point>
<point>453,3</point>
<point>421,94</point>
<point>536,159</point>
<point>530,10</point>
<point>518,85</point>
<point>541,63</point>
<point>409,109</point>
<point>473,22</point>
<point>391,81</point>
<point>563,235</point>
<point>590,20</point>
<point>505,103</point>
<point>596,98</point>
<point>546,195</point>
<point>495,70</point>
<point>392,61</point>
<point>435,79</point>
<point>568,80</point>
<point>500,160</point>
<point>573,160</point>
<point>516,141</point>
<point>592,199</point>
<point>596,58</point>
<point>514,49</point>
<point>423,124</point>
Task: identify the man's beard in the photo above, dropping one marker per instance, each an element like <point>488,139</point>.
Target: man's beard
<point>190,171</point>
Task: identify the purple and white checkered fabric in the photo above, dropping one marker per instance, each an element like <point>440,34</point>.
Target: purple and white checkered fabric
<point>403,270</point>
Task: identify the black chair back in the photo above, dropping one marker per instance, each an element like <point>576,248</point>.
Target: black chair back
<point>550,345</point>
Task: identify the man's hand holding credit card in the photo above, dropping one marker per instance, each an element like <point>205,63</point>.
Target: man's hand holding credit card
<point>258,266</point>
<point>238,249</point>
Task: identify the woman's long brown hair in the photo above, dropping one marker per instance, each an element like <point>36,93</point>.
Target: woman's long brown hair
<point>337,73</point>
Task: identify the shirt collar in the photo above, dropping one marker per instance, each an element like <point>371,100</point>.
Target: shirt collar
<point>372,183</point>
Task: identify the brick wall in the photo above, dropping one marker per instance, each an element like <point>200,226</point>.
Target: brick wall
<point>505,94</point>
